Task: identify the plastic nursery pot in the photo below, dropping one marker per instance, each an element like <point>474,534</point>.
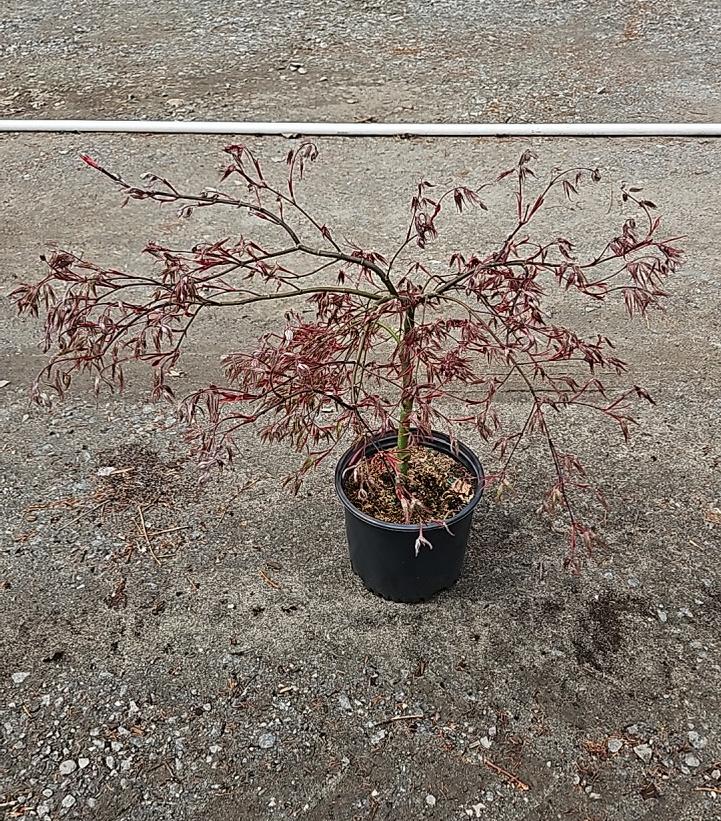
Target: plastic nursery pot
<point>383,553</point>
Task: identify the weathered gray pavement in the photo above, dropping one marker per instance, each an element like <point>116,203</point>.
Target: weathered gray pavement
<point>243,672</point>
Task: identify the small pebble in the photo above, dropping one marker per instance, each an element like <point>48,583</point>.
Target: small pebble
<point>18,678</point>
<point>376,738</point>
<point>83,763</point>
<point>68,767</point>
<point>431,800</point>
<point>690,760</point>
<point>614,745</point>
<point>696,741</point>
<point>344,702</point>
<point>644,752</point>
<point>266,741</point>
<point>68,801</point>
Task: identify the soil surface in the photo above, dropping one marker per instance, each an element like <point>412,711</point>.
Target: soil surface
<point>216,657</point>
<point>435,489</point>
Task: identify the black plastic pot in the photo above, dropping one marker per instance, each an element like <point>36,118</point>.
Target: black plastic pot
<point>383,553</point>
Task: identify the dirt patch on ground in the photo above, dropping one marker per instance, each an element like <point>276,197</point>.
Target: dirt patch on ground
<point>600,631</point>
<point>132,475</point>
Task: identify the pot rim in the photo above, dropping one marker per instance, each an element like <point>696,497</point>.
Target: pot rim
<point>437,441</point>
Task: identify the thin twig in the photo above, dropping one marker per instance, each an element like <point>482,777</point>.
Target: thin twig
<point>268,580</point>
<point>514,779</point>
<point>411,717</point>
<point>147,538</point>
<point>155,533</point>
<point>70,502</point>
<point>83,515</point>
<point>245,486</point>
<point>601,674</point>
<point>244,693</point>
<point>155,767</point>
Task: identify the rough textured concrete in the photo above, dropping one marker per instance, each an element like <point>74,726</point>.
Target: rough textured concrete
<point>242,671</point>
<point>578,60</point>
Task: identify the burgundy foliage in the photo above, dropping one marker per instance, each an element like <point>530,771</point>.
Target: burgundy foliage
<point>383,342</point>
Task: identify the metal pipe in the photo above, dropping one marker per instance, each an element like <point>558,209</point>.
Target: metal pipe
<point>369,129</point>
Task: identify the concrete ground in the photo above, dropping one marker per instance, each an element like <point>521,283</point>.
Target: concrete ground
<point>239,670</point>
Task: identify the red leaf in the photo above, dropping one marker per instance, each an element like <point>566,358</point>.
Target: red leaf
<point>88,160</point>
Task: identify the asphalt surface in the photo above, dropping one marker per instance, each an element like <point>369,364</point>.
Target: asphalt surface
<point>451,60</point>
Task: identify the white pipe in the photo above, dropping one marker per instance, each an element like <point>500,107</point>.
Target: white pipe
<point>369,129</point>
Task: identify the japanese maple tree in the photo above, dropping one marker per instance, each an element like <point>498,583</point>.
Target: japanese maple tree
<point>385,341</point>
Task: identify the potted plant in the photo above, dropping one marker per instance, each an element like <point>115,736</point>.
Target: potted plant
<point>389,356</point>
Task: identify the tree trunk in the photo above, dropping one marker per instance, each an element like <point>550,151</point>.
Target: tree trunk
<point>408,378</point>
